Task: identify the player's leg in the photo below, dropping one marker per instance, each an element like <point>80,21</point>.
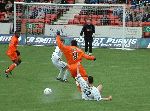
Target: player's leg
<point>65,78</point>
<point>16,61</point>
<point>109,98</point>
<point>90,45</point>
<point>61,73</point>
<point>15,57</point>
<point>83,74</point>
<point>73,70</point>
<point>82,71</point>
<point>86,45</point>
<point>100,87</point>
<point>58,66</point>
<point>62,66</point>
<point>61,70</point>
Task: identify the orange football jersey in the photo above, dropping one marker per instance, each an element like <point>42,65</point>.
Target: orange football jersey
<point>13,44</point>
<point>72,54</point>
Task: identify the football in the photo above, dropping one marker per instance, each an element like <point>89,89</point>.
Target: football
<point>47,91</point>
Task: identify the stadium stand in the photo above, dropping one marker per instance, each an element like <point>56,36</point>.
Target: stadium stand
<point>137,13</point>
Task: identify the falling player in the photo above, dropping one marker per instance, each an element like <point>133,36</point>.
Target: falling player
<point>73,55</point>
<point>13,53</point>
<point>88,91</point>
<point>62,66</point>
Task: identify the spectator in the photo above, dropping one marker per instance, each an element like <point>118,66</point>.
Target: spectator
<point>63,2</point>
<point>2,5</point>
<point>34,13</point>
<point>114,1</point>
<point>139,16</point>
<point>87,1</point>
<point>8,17</point>
<point>147,8</point>
<point>105,20</point>
<point>93,1</point>
<point>9,6</point>
<point>146,17</point>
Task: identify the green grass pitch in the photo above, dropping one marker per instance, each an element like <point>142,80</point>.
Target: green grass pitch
<point>124,74</point>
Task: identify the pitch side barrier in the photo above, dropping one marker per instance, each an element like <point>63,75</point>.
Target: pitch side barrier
<point>98,42</point>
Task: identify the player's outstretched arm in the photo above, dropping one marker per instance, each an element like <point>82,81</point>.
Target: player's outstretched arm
<point>109,98</point>
<point>88,57</point>
<point>59,42</point>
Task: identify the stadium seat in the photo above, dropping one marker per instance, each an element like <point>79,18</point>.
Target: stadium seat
<point>82,21</point>
<point>70,1</point>
<point>54,16</point>
<point>76,21</point>
<point>31,20</point>
<point>83,16</point>
<point>129,24</point>
<point>77,16</point>
<point>2,18</point>
<point>117,22</point>
<point>146,24</point>
<point>98,23</point>
<point>47,21</point>
<point>94,16</point>
<point>112,22</point>
<point>48,15</point>
<point>94,22</point>
<point>135,24</point>
<point>71,21</point>
<point>99,16</point>
<point>147,34</point>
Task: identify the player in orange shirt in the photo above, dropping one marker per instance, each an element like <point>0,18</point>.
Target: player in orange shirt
<point>13,53</point>
<point>73,55</point>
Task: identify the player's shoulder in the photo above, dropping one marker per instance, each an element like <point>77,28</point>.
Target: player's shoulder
<point>56,47</point>
<point>14,38</point>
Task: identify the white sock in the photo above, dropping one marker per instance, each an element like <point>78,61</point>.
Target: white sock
<point>61,73</point>
<point>66,75</point>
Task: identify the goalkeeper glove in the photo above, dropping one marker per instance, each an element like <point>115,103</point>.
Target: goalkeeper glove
<point>58,32</point>
<point>93,35</point>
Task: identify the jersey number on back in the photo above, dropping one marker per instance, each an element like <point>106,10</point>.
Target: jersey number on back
<point>87,91</point>
<point>75,55</point>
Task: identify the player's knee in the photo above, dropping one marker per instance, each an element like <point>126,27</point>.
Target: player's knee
<point>100,85</point>
<point>18,53</point>
<point>18,62</point>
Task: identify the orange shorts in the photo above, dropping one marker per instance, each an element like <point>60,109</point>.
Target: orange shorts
<point>73,70</point>
<point>12,55</point>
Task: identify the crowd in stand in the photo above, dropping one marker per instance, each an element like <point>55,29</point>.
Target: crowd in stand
<point>139,10</point>
<point>6,9</point>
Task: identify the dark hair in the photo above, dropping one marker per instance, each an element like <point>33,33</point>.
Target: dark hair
<point>17,32</point>
<point>90,79</point>
<point>73,43</point>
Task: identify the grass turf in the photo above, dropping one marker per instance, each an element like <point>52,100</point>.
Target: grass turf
<point>124,74</point>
